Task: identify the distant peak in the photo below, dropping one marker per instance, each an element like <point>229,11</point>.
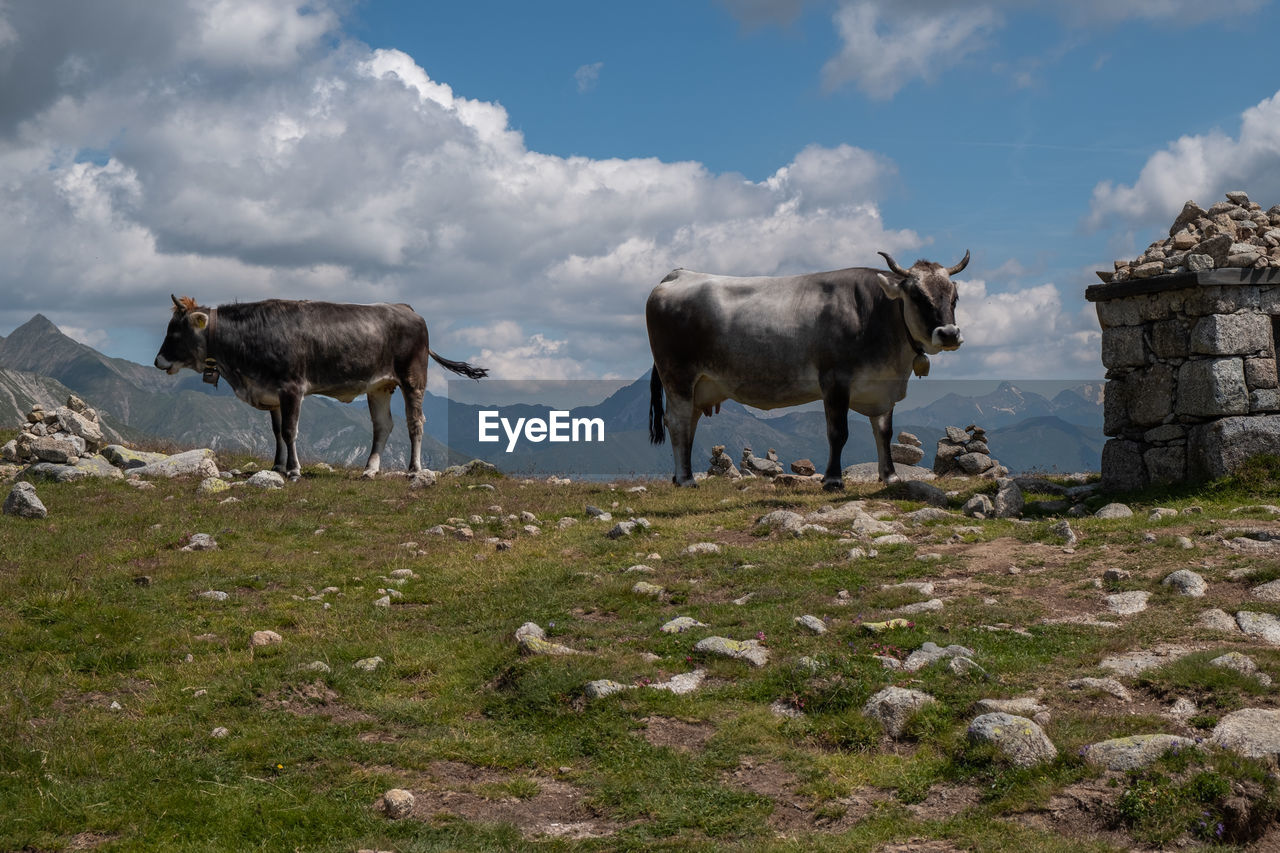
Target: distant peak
<point>39,323</point>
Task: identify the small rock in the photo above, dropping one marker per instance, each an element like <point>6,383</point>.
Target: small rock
<point>748,650</point>
<point>265,638</point>
<point>219,732</point>
<point>930,652</point>
<point>645,588</point>
<point>1020,739</point>
<point>1242,664</point>
<point>1114,510</point>
<point>1023,707</point>
<point>680,624</point>
<point>1009,501</point>
<point>603,687</point>
<point>1267,591</point>
<point>200,542</point>
<point>368,664</point>
<point>212,486</point>
<point>933,605</point>
<point>803,467</point>
<point>213,595</point>
<point>887,625</point>
<point>533,640</point>
<point>266,480</point>
<point>1187,583</point>
<point>1106,685</point>
<point>24,503</point>
<point>1128,603</point>
<point>1264,626</point>
<point>703,548</point>
<point>396,804</point>
<point>1217,620</point>
<point>1134,752</point>
<point>813,623</point>
<point>1063,531</point>
<point>681,684</point>
<point>892,707</point>
<point>1252,732</point>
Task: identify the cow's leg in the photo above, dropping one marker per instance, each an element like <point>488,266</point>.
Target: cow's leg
<point>290,408</point>
<point>380,413</point>
<point>282,453</point>
<point>414,418</point>
<point>682,421</point>
<point>882,426</point>
<point>835,402</point>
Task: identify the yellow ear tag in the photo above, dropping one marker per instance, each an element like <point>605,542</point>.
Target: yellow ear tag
<point>199,320</point>
<point>921,365</point>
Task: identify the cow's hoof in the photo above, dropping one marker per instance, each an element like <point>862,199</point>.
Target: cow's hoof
<point>891,479</point>
<point>833,485</point>
<point>368,475</point>
<point>295,476</point>
<point>688,484</point>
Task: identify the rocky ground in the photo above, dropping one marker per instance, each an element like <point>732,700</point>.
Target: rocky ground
<point>965,664</point>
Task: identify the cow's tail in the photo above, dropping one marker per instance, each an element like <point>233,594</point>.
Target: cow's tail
<point>460,367</point>
<point>656,434</point>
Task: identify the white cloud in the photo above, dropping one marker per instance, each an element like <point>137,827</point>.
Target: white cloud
<point>1022,333</point>
<point>1199,167</point>
<point>92,337</point>
<point>887,44</point>
<point>257,33</point>
<point>587,76</point>
<point>883,52</point>
<point>340,172</point>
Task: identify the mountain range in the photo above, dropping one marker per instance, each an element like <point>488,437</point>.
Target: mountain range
<point>38,363</point>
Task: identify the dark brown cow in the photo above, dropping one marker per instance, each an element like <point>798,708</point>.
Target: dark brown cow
<point>276,352</point>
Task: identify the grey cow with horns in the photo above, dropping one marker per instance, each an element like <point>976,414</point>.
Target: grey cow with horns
<point>850,338</point>
<point>276,352</point>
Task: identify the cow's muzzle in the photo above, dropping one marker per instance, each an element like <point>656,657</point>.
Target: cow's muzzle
<point>167,366</point>
<point>947,337</point>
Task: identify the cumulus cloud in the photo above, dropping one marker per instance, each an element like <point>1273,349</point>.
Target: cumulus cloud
<point>1023,332</point>
<point>587,76</point>
<point>882,52</point>
<point>1199,167</point>
<point>332,171</point>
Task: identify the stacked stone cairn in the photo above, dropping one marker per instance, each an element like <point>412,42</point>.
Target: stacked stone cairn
<point>1191,360</point>
<point>754,466</point>
<point>1233,233</point>
<point>907,450</point>
<point>964,452</point>
<point>61,436</point>
<point>722,465</point>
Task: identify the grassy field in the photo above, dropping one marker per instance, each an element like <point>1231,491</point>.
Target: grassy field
<point>115,673</point>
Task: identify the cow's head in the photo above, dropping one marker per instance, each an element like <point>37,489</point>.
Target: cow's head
<point>184,340</point>
<point>928,301</point>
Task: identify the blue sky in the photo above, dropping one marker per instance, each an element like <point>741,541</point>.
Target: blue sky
<point>524,173</point>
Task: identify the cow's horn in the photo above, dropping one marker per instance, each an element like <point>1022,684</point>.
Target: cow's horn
<point>893,265</point>
<point>176,303</point>
<point>964,262</point>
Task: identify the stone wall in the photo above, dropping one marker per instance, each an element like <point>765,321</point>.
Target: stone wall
<point>1192,388</point>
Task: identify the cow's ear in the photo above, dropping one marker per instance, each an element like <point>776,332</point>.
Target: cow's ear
<point>891,288</point>
<point>198,319</point>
